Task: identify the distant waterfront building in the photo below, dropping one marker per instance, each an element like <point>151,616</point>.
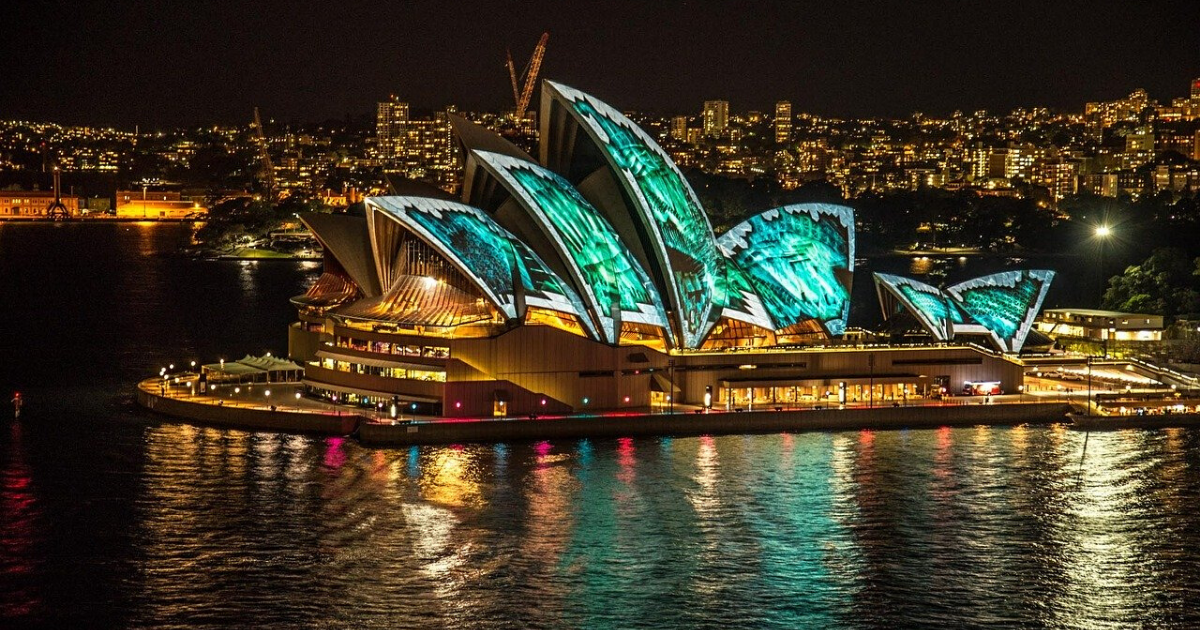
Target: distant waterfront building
<point>1100,325</point>
<point>783,122</point>
<point>25,204</point>
<point>591,279</point>
<point>716,118</point>
<point>156,206</point>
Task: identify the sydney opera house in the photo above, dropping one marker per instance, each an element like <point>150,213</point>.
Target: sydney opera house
<point>590,279</point>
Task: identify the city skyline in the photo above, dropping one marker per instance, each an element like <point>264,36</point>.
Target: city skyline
<point>120,65</point>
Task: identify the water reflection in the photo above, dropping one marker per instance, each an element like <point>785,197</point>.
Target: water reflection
<point>948,527</point>
<point>18,529</point>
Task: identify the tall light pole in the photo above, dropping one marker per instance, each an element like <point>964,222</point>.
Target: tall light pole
<point>1089,398</point>
<point>1103,232</point>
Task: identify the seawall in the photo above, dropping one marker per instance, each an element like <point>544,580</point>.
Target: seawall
<point>686,424</point>
<point>254,418</point>
<point>1154,421</point>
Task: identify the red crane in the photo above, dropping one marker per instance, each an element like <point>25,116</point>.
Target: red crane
<point>522,85</point>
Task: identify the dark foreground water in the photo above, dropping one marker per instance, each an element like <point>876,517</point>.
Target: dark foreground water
<point>109,518</point>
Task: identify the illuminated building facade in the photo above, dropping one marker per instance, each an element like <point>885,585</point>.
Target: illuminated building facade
<point>716,118</point>
<point>419,148</point>
<point>591,279</point>
<point>32,204</point>
<point>783,122</point>
<point>1100,325</point>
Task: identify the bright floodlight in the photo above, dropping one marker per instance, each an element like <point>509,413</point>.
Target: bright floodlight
<point>1103,231</point>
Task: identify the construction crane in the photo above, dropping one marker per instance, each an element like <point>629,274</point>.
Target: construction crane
<point>264,156</point>
<point>522,85</point>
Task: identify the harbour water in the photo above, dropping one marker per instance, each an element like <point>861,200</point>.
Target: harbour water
<point>112,518</point>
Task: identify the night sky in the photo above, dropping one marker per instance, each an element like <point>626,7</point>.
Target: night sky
<point>172,63</point>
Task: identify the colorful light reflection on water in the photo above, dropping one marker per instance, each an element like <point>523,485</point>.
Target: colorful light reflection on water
<point>110,519</point>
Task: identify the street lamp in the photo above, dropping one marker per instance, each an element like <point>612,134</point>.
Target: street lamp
<point>1021,392</point>
<point>1089,398</point>
<point>1103,232</point>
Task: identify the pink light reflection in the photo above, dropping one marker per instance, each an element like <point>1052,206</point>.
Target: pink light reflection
<point>335,457</point>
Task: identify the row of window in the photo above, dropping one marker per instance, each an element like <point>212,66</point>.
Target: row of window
<point>384,347</point>
<point>388,372</point>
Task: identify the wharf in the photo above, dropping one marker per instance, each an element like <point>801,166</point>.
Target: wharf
<point>719,423</point>
<point>214,411</point>
<point>306,416</point>
<point>1149,421</point>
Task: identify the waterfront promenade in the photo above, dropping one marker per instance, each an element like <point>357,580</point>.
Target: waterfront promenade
<point>278,407</point>
<point>267,406</point>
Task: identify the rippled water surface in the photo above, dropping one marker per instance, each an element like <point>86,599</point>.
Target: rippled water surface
<point>109,517</point>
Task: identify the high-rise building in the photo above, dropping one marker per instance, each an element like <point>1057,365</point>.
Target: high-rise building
<point>419,148</point>
<point>679,128</point>
<point>716,117</point>
<point>783,122</point>
<point>391,121</point>
<point>1195,90</point>
<point>1060,177</point>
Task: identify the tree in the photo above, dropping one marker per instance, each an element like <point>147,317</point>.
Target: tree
<point>1165,284</point>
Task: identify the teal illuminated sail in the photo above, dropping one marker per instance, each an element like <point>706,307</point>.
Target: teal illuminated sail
<point>485,252</point>
<point>670,213</point>
<point>930,305</point>
<point>800,260</point>
<point>1004,303</point>
<point>1001,306</point>
<point>607,275</point>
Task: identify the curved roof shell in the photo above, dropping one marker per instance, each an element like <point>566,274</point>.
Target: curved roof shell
<point>673,228</point>
<point>1001,305</point>
<point>504,269</point>
<point>800,261</point>
<point>346,238</point>
<point>936,312</point>
<point>1004,303</point>
<point>610,281</point>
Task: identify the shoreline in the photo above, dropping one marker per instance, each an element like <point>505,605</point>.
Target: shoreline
<point>720,423</point>
<point>372,432</point>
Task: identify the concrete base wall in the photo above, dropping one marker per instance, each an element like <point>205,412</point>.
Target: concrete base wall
<point>249,418</point>
<point>712,423</point>
<point>1115,423</point>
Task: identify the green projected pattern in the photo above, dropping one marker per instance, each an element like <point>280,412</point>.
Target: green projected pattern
<point>1005,303</point>
<point>485,252</point>
<point>669,208</point>
<point>606,273</point>
<point>739,295</point>
<point>800,259</point>
<point>933,308</point>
